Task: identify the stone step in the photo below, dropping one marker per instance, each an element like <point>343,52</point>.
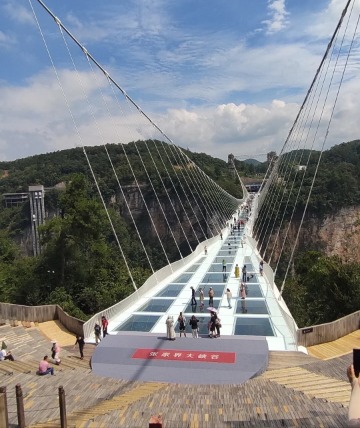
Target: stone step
<point>284,359</point>
<point>310,384</point>
<point>80,417</point>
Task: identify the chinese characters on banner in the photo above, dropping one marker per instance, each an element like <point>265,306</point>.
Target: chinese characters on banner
<point>181,355</point>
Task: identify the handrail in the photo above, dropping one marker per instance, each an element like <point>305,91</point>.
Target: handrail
<point>12,312</point>
<point>327,332</point>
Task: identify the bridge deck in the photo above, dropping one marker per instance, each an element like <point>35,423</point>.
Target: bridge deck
<point>257,315</point>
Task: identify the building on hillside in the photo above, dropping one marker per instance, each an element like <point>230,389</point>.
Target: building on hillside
<point>37,213</point>
<point>14,199</point>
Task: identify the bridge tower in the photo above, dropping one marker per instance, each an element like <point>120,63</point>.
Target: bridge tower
<point>231,164</point>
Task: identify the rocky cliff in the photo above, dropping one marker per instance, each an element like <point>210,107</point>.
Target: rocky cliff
<point>336,234</point>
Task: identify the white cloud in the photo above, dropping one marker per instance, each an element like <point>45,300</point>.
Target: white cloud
<point>324,22</point>
<point>18,13</point>
<point>6,40</point>
<point>231,128</point>
<point>229,96</point>
<point>278,16</point>
<point>37,120</point>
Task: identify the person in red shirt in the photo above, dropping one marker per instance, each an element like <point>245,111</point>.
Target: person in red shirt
<point>104,323</point>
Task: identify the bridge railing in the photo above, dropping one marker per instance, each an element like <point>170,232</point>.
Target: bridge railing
<point>322,333</point>
<point>10,313</point>
<point>151,282</point>
<point>270,279</point>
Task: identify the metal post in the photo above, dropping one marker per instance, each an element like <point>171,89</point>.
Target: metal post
<point>4,421</point>
<point>20,406</point>
<point>63,422</point>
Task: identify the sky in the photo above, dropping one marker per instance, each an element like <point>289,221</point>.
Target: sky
<point>217,77</point>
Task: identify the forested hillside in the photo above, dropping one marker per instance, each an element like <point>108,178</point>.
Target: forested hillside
<point>321,287</point>
<point>81,267</point>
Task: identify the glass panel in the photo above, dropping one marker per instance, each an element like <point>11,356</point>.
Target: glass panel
<point>182,279</point>
<point>251,307</point>
<point>228,252</point>
<point>252,278</point>
<point>156,305</point>
<point>218,290</point>
<point>218,267</point>
<point>215,277</point>
<point>171,290</point>
<point>234,244</point>
<point>193,268</point>
<point>196,309</point>
<point>253,290</point>
<point>253,327</point>
<point>138,323</point>
<point>229,259</point>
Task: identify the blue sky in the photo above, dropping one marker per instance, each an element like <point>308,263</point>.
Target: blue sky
<point>217,77</point>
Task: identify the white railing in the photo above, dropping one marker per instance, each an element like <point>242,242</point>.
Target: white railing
<point>151,282</point>
<point>270,279</point>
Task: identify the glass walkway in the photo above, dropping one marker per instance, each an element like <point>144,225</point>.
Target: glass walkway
<point>261,313</point>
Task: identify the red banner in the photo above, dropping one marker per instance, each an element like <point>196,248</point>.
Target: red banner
<point>181,355</point>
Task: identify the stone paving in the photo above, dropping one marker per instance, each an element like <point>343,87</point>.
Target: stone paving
<point>94,401</point>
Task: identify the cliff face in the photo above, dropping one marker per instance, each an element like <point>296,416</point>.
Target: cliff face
<point>169,216</point>
<point>340,234</point>
<point>336,234</point>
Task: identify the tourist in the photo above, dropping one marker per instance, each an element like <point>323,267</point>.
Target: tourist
<point>224,265</point>
<point>243,270</point>
<point>237,271</point>
<point>44,367</point>
<point>354,405</point>
<point>212,325</point>
<point>205,250</point>
<point>261,267</point>
<point>55,352</point>
<point>97,331</point>
<point>242,291</point>
<point>170,331</point>
<point>215,324</point>
<point>229,297</point>
<point>104,323</point>
<point>211,297</point>
<point>193,298</point>
<point>182,324</point>
<point>201,298</point>
<point>194,326</point>
<point>221,235</point>
<point>6,355</point>
<point>81,342</point>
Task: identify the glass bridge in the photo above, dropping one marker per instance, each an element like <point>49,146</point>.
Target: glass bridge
<point>261,313</point>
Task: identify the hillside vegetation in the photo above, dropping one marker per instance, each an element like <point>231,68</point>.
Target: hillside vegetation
<point>81,267</point>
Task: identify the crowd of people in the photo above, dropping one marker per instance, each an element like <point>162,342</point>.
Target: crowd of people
<point>213,326</point>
